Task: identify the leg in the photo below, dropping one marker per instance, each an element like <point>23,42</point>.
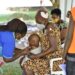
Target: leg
<point>27,71</point>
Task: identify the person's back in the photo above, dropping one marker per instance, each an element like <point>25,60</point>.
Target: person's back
<point>5,34</point>
<point>7,37</point>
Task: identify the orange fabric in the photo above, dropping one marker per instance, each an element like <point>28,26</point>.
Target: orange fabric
<point>73,13</point>
<point>72,46</point>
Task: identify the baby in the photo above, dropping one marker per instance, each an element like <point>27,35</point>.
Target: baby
<point>34,47</point>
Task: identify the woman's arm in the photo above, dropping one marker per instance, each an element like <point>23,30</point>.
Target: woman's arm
<point>52,48</point>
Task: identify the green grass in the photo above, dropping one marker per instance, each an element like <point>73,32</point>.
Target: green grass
<point>12,68</point>
<point>4,18</point>
<point>31,14</point>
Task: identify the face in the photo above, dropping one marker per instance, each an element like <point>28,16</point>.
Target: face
<point>34,41</point>
<point>42,19</point>
<point>55,18</point>
<point>18,36</point>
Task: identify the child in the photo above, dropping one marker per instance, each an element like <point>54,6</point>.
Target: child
<point>34,47</point>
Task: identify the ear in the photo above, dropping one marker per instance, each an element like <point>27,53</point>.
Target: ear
<point>44,15</point>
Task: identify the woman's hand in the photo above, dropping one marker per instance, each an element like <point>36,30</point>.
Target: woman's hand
<point>32,56</point>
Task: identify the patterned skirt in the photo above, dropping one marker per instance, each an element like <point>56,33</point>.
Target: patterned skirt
<point>39,66</point>
<point>42,66</point>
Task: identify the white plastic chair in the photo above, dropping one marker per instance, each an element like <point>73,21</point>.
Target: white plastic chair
<point>51,66</point>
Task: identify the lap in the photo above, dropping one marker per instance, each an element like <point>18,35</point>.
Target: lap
<point>38,65</point>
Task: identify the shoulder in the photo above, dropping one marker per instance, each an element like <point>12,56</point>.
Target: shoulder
<point>52,27</point>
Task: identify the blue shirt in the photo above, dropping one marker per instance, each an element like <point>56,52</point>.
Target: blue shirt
<point>7,42</point>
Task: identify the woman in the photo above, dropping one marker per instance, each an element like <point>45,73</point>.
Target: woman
<point>7,39</point>
<point>50,41</point>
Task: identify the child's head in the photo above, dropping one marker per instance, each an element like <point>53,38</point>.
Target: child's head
<point>34,40</point>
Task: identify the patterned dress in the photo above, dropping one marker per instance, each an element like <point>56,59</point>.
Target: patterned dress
<point>41,66</point>
<point>45,45</point>
<point>58,52</point>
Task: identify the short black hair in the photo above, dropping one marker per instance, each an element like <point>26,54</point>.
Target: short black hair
<point>56,11</point>
<point>17,26</point>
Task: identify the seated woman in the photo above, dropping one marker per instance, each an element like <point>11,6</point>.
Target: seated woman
<point>50,43</point>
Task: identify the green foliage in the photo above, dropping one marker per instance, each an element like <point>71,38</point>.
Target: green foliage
<point>25,15</point>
